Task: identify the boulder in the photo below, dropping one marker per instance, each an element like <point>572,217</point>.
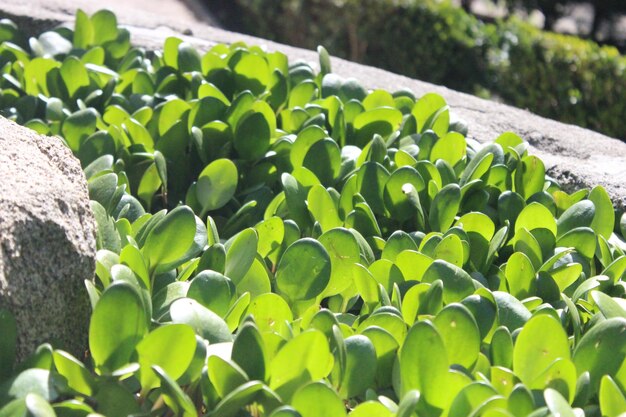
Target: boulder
<point>47,240</point>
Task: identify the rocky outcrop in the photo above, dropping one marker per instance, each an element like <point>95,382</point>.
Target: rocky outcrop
<point>47,240</point>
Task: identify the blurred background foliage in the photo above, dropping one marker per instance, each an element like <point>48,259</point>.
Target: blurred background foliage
<point>497,51</point>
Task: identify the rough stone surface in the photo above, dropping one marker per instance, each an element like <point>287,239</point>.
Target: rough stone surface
<point>47,240</point>
<point>575,156</point>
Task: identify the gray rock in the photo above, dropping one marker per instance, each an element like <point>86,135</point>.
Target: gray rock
<point>47,240</point>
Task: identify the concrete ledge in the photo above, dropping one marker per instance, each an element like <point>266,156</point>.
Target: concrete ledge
<point>575,156</point>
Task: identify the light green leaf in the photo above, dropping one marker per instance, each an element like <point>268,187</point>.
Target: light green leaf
<point>304,270</point>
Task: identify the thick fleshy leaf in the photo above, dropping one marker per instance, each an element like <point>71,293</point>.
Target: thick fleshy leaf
<point>304,358</point>
<point>204,322</point>
<point>459,332</point>
<point>424,362</point>
<point>171,347</point>
<point>529,176</point>
<point>541,342</point>
<point>360,368</point>
<point>249,352</point>
<point>601,351</point>
<point>457,284</point>
<point>171,238</point>
<point>240,253</point>
<point>317,399</point>
<point>78,376</point>
<point>304,270</point>
<point>444,207</point>
<point>119,321</point>
<point>216,184</point>
<point>612,401</point>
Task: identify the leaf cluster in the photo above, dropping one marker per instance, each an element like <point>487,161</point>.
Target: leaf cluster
<point>276,241</point>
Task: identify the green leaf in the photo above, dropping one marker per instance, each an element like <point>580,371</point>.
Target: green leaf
<point>444,207</point>
<point>171,238</point>
<point>317,399</point>
<point>204,322</point>
<point>33,381</point>
<point>520,276</point>
<point>83,30</point>
<point>271,233</point>
<point>74,75</point>
<point>470,398</point>
<point>612,401</point>
<point>216,185</point>
<point>609,306</point>
<point>213,290</point>
<point>604,217</point>
<point>381,120</point>
<point>119,321</point>
<point>371,180</point>
<point>557,405</point>
<point>396,198</point>
<point>451,148</point>
<point>225,375</point>
<point>252,136</point>
<point>239,398</point>
<point>536,216</point>
<point>344,252</point>
<point>529,176</point>
<point>78,126</point>
<point>115,400</point>
<point>541,342</point>
<point>252,73</point>
<point>249,352</point>
<point>323,208</point>
<point>360,368</point>
<point>580,214</point>
<point>303,271</point>
<point>175,397</point>
<point>408,404</point>
<point>457,284</point>
<point>77,375</point>
<point>450,249</point>
<point>171,347</point>
<point>583,239</point>
<point>511,312</point>
<point>601,350</point>
<point>424,362</point>
<point>324,58</point>
<point>371,408</point>
<point>104,27</point>
<point>501,348</point>
<point>324,160</point>
<point>302,359</point>
<point>240,253</point>
<point>386,347</point>
<point>301,94</point>
<point>431,112</point>
<point>188,58</point>
<point>459,332</point>
<point>270,312</point>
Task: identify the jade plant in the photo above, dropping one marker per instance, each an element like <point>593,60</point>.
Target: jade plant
<point>279,241</point>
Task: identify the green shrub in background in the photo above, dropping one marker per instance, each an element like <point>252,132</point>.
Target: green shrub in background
<point>561,77</point>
